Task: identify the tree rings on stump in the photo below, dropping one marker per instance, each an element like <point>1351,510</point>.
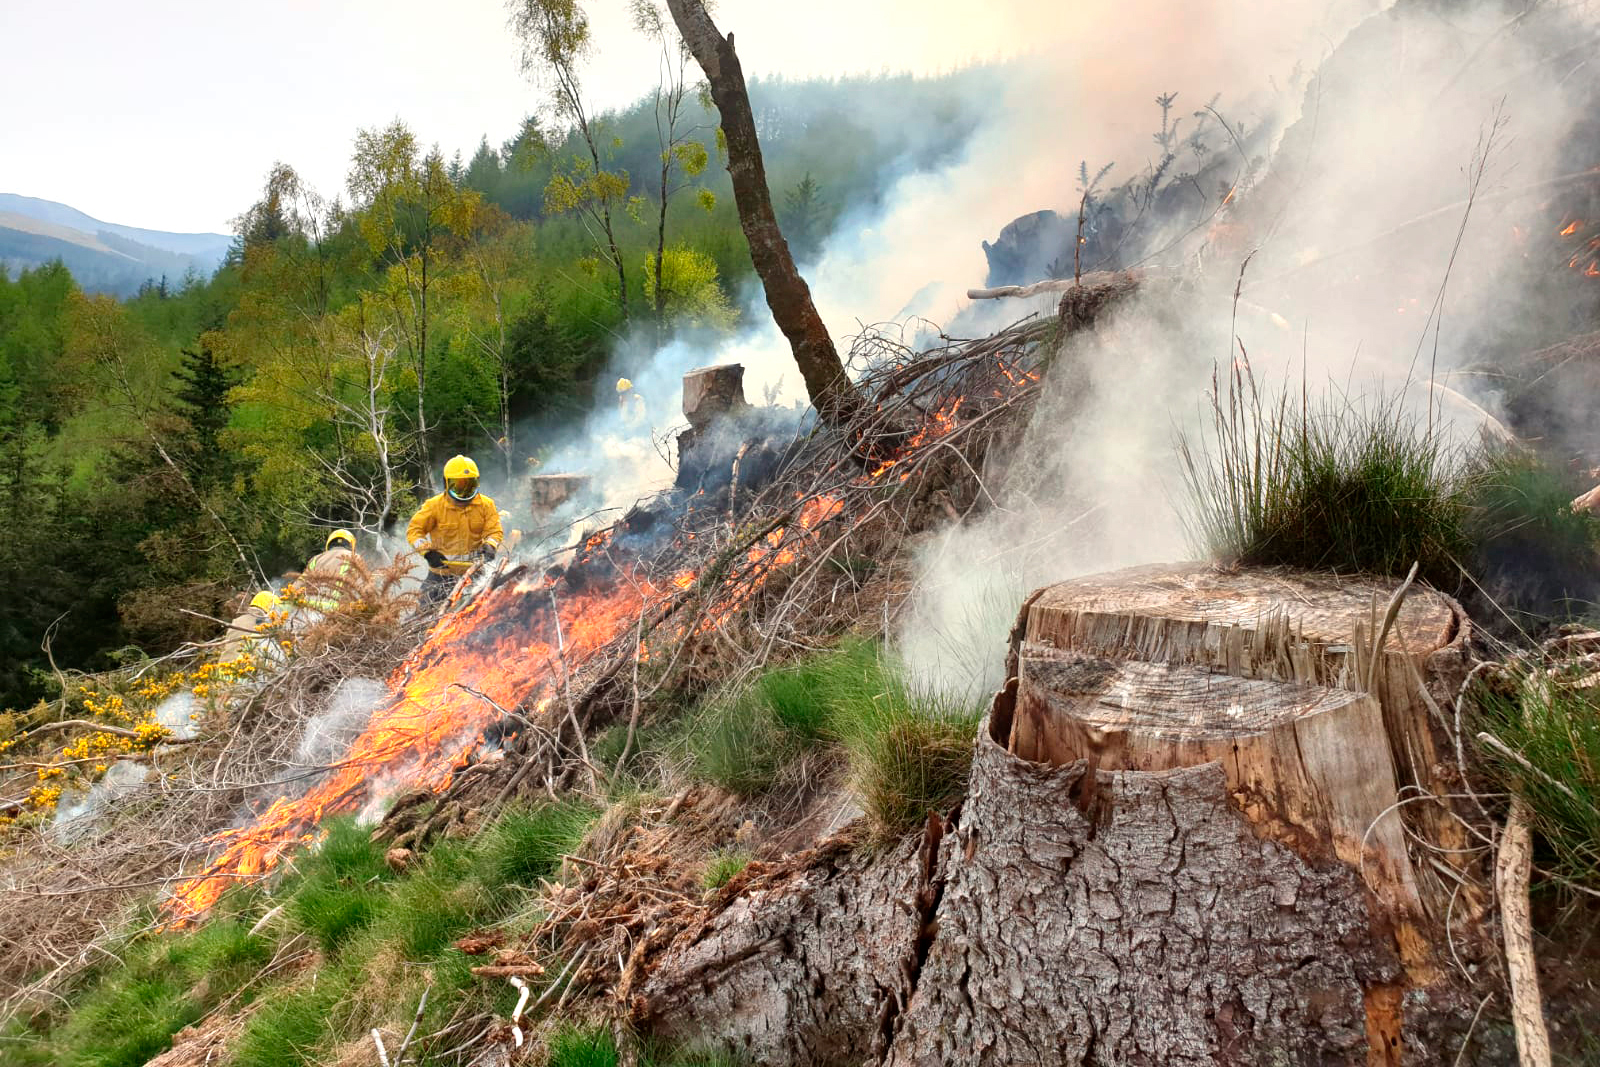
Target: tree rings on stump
<point>1266,673</point>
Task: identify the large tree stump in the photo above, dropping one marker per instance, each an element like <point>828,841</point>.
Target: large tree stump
<point>1266,671</point>
<point>1182,844</point>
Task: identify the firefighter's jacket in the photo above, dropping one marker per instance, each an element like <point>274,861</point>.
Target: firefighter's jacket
<point>241,637</point>
<point>337,576</point>
<point>457,530</point>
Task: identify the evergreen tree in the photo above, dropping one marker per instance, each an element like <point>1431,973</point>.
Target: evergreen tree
<point>203,385</point>
<point>803,222</point>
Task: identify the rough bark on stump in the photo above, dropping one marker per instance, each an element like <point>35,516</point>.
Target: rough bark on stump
<point>801,969</point>
<point>1180,873</point>
<point>1081,923</point>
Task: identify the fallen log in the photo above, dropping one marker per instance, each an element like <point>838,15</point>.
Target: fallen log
<point>1049,285</point>
<point>1182,845</point>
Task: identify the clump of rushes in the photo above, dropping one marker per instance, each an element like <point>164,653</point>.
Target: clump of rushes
<point>738,744</point>
<point>910,748</point>
<point>1536,556</point>
<point>1541,739</point>
<point>1333,484</point>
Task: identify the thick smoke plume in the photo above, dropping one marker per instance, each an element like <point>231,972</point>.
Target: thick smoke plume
<point>1372,252</point>
<point>1353,137</point>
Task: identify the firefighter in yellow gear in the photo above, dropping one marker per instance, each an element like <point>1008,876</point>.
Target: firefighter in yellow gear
<point>242,633</point>
<point>336,575</point>
<point>630,404</point>
<point>454,528</point>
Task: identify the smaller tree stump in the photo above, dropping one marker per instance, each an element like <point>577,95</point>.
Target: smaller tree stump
<point>710,393</point>
<point>547,492</point>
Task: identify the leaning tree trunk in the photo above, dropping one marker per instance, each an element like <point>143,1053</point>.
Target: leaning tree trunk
<point>787,293</point>
<point>1183,844</point>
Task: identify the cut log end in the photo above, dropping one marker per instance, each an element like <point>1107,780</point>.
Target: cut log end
<point>1261,672</point>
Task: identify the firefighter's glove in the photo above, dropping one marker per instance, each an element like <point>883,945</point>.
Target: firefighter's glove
<point>434,557</point>
<point>487,551</point>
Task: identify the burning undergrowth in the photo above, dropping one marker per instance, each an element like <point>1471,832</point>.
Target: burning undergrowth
<point>801,540</point>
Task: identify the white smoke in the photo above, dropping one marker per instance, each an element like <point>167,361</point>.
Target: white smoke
<point>328,734</point>
<point>1338,295</point>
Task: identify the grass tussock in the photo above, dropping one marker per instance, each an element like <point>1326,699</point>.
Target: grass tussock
<point>583,1047</point>
<point>909,749</point>
<point>723,865</point>
<point>1540,736</point>
<point>1332,484</point>
<point>161,986</point>
<point>1535,556</point>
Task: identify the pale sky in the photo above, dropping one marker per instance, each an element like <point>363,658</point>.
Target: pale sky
<point>168,114</point>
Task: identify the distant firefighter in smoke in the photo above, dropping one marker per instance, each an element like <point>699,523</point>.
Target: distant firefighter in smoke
<point>630,404</point>
<point>454,529</point>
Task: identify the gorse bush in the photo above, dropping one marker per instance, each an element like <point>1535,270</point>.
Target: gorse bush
<point>1333,485</point>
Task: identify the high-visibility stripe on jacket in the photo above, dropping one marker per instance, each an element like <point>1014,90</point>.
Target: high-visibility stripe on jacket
<point>339,574</point>
<point>454,528</point>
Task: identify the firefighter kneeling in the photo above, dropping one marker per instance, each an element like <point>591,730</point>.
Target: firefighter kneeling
<point>454,529</point>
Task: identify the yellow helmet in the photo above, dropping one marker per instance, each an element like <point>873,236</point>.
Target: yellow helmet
<point>461,479</point>
<point>623,385</point>
<point>340,535</point>
<point>265,600</point>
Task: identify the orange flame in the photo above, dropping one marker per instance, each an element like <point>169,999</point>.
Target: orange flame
<point>1571,228</point>
<point>505,645</point>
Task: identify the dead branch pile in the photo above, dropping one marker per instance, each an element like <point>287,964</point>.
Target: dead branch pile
<point>821,549</point>
<point>749,577</point>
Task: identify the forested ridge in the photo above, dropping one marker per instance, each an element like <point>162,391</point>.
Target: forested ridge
<point>160,454</point>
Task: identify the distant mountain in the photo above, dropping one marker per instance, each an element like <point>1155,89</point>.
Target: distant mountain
<point>104,257</point>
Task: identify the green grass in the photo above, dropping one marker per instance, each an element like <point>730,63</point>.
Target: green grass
<point>1535,556</point>
<point>738,744</point>
<point>723,865</point>
<point>909,749</point>
<point>1548,753</point>
<point>342,885</point>
<point>164,984</point>
<point>526,844</point>
<point>383,938</point>
<point>1333,484</point>
<point>575,1047</point>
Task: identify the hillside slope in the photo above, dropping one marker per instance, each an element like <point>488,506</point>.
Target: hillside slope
<point>104,256</point>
